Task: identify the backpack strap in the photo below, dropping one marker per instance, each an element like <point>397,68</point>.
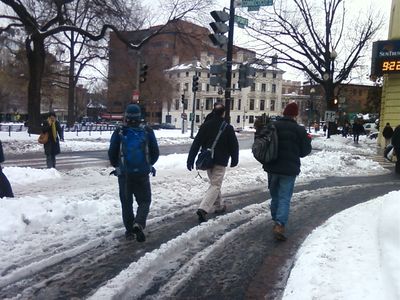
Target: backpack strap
<point>221,129</point>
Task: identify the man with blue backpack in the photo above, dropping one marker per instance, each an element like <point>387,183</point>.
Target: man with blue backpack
<point>133,152</point>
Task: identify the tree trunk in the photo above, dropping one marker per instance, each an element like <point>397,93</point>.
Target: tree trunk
<point>36,55</point>
<point>71,87</point>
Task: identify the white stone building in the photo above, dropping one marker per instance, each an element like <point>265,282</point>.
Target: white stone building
<point>263,97</point>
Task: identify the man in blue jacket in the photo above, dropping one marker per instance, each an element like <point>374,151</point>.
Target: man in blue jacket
<point>226,147</point>
<point>134,180</point>
<point>293,143</point>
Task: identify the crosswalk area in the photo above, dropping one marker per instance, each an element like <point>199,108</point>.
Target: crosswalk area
<point>383,161</point>
<point>62,162</point>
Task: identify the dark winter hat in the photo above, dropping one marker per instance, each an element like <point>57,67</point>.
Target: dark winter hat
<point>133,112</point>
<point>291,110</point>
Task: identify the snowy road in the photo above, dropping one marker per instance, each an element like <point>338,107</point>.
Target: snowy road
<point>230,256</point>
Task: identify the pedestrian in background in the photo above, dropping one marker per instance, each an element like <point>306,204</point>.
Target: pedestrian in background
<point>5,186</point>
<point>55,134</point>
<point>357,130</point>
<point>346,129</point>
<point>396,145</point>
<point>293,143</point>
<point>133,151</point>
<point>226,147</point>
<point>387,134</point>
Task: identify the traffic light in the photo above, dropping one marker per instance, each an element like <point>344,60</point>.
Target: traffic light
<point>195,83</point>
<point>183,99</point>
<point>220,75</point>
<point>246,71</point>
<point>143,73</point>
<point>220,28</point>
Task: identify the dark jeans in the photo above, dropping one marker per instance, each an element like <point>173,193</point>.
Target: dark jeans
<point>51,161</point>
<point>5,186</point>
<point>138,186</point>
<point>356,137</point>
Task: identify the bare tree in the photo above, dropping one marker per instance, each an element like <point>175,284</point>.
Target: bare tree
<point>41,23</point>
<point>317,38</point>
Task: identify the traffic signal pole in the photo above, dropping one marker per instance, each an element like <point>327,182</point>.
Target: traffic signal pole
<point>229,54</point>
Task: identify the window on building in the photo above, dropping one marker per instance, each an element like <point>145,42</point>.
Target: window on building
<point>197,103</point>
<point>274,75</point>
<point>187,74</point>
<point>232,103</point>
<point>197,118</point>
<point>233,87</point>
<point>177,104</point>
<point>264,74</point>
<point>273,88</point>
<point>237,119</point>
<point>263,87</point>
<point>234,75</point>
<point>262,104</point>
<point>208,75</point>
<point>240,104</point>
<point>251,104</point>
<point>272,107</point>
<point>209,103</point>
<point>251,119</point>
<point>186,86</point>
<point>208,87</point>
<point>253,87</point>
<point>178,74</point>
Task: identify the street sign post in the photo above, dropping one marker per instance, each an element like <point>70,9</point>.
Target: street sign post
<point>135,95</point>
<point>254,3</point>
<point>242,22</point>
<point>330,116</point>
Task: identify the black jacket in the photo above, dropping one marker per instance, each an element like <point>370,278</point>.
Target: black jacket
<point>52,147</point>
<point>293,143</point>
<point>226,147</point>
<point>387,132</point>
<point>396,138</point>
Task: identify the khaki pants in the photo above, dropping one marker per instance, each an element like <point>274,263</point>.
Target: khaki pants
<point>387,142</point>
<point>212,199</point>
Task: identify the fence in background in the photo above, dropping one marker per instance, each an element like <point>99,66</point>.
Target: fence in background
<point>76,128</point>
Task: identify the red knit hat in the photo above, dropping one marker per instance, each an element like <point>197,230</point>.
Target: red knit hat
<point>291,110</point>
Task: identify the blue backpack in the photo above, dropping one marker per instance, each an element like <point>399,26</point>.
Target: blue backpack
<point>134,151</point>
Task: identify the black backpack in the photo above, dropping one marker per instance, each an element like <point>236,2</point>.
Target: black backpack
<point>265,146</point>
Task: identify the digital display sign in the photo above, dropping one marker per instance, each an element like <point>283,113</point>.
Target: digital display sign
<point>385,57</point>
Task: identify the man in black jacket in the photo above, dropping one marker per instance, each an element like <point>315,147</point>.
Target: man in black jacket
<point>387,133</point>
<point>226,147</point>
<point>396,146</point>
<point>293,143</point>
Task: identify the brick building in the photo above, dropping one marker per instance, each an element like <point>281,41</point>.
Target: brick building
<point>180,39</point>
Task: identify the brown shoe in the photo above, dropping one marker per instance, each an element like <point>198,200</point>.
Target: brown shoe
<point>220,210</point>
<point>279,232</point>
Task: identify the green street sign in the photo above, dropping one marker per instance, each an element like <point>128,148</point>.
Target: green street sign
<point>255,3</point>
<point>242,22</point>
<point>253,8</point>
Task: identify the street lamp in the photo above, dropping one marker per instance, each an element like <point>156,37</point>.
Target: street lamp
<point>329,91</point>
<point>311,108</point>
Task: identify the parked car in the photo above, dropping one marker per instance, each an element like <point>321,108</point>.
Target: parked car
<point>167,126</point>
<point>370,128</point>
